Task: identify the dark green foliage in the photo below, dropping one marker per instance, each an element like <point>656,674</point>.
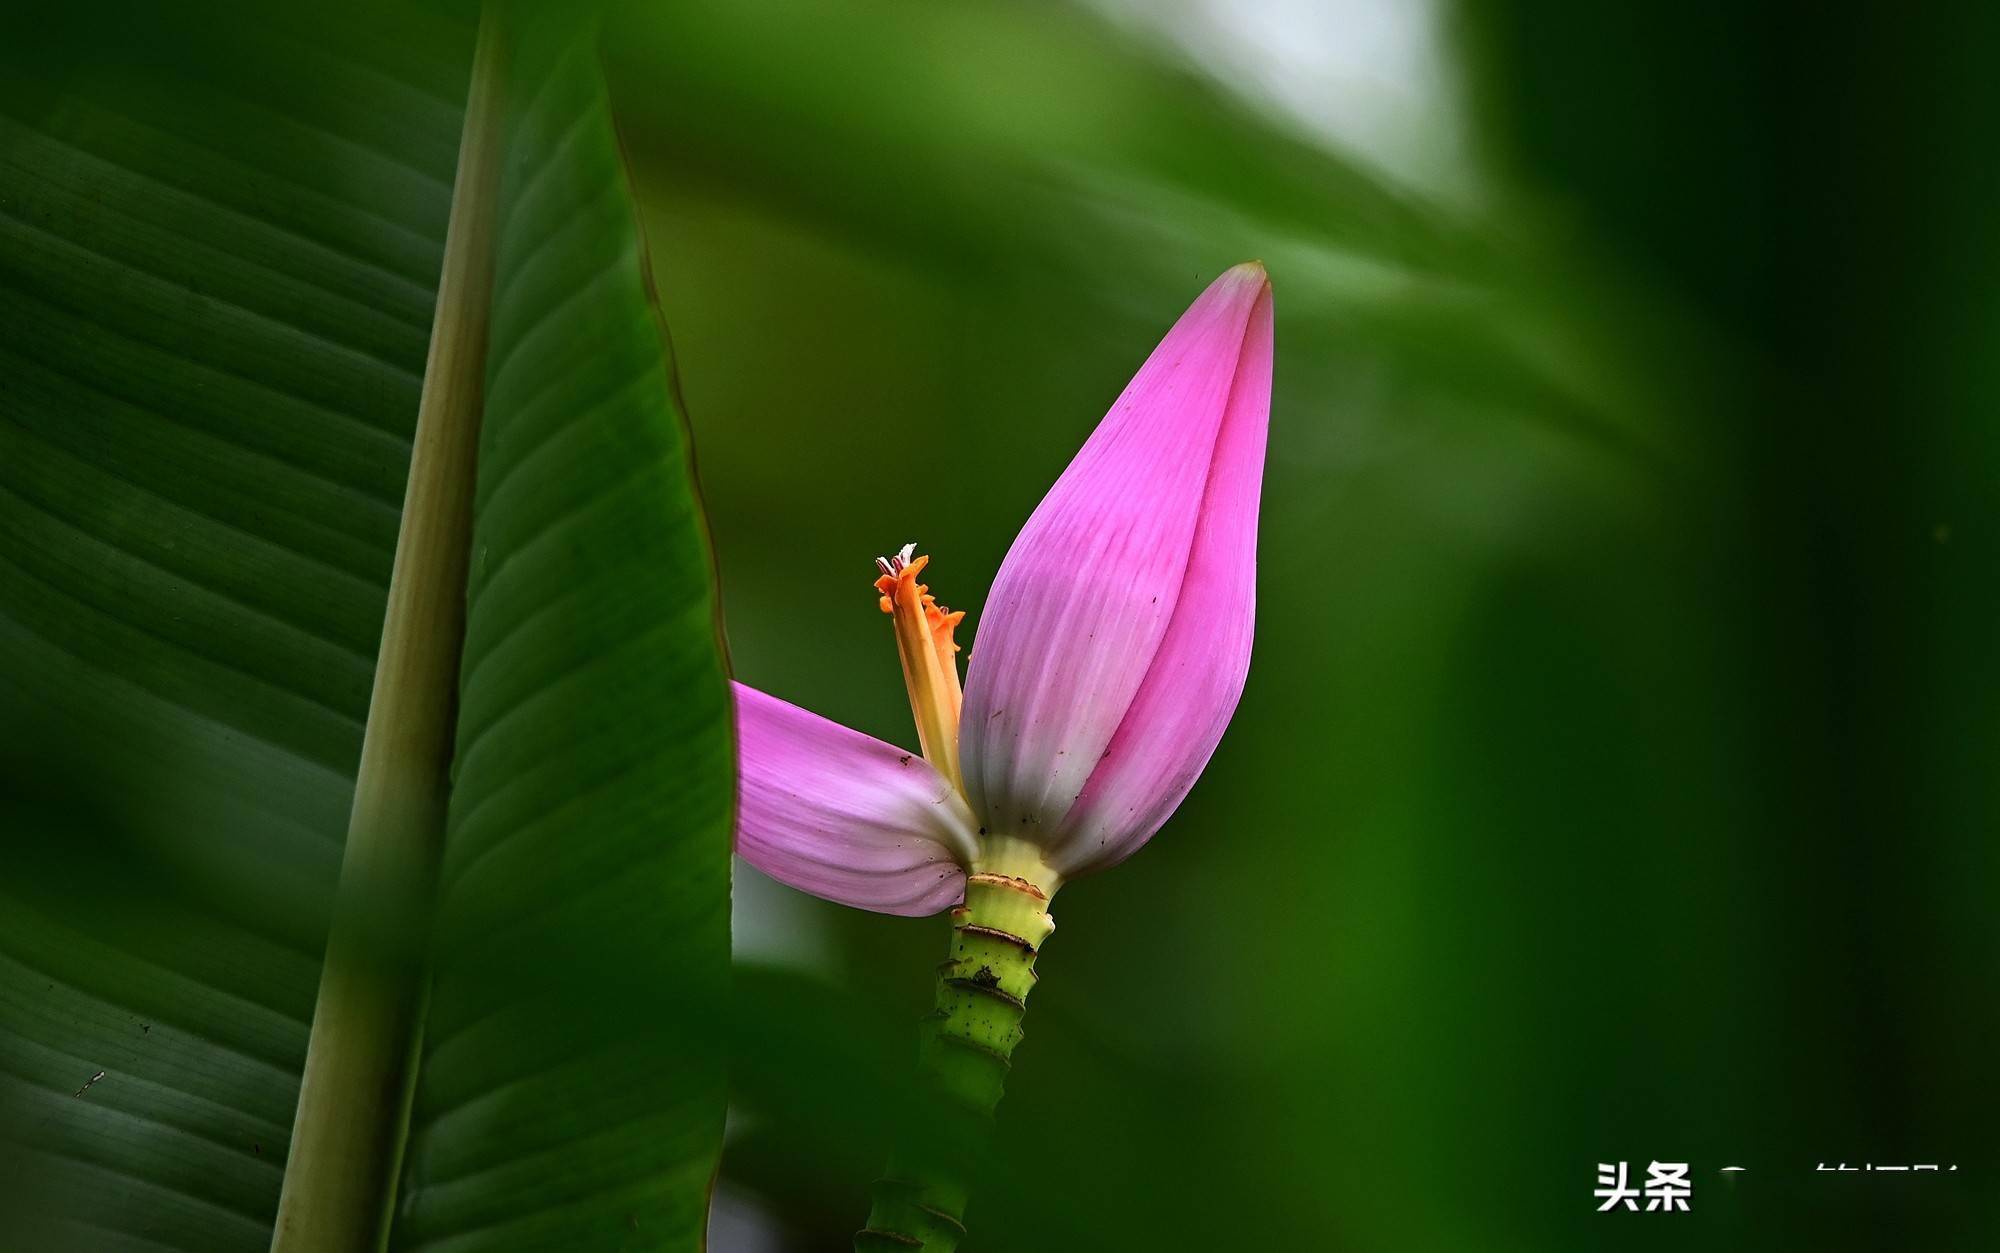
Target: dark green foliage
<point>220,233</point>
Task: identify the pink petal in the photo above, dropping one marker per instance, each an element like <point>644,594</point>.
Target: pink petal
<point>1087,593</point>
<point>844,816</point>
<point>1192,687</point>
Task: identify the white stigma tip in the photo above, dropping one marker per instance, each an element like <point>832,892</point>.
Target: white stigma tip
<point>895,564</point>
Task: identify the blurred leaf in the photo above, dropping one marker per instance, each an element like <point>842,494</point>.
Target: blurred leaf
<point>218,291</point>
<point>928,110</point>
<point>1040,151</point>
<point>220,232</point>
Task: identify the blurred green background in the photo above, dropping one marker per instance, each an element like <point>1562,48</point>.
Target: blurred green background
<point>1615,776</point>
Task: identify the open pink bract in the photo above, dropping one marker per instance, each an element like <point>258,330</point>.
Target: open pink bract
<point>1111,653</point>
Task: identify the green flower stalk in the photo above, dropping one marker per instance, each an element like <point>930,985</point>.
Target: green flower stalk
<point>965,1053</point>
<point>1112,652</point>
